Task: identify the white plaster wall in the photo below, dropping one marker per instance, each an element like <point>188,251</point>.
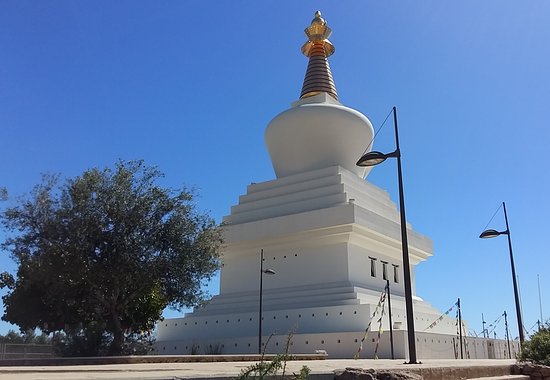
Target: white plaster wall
<point>294,265</point>
<point>436,346</point>
<point>360,269</point>
<point>346,345</point>
<point>315,134</point>
<point>301,318</point>
<point>317,230</point>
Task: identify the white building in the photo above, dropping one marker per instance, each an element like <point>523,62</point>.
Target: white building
<point>332,238</point>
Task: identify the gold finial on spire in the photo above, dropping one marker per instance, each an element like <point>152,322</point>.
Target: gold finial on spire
<point>318,33</point>
<point>318,76</point>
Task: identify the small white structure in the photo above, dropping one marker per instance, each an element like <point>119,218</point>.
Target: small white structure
<point>332,239</point>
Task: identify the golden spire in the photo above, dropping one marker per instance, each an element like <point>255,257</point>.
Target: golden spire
<point>318,76</point>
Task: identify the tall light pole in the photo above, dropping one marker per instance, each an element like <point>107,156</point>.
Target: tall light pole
<point>494,233</point>
<point>540,303</point>
<point>375,158</point>
<point>262,271</point>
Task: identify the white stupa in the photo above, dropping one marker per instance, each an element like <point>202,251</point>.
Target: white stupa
<point>332,239</point>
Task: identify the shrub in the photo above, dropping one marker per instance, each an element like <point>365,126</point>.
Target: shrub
<point>271,368</point>
<point>537,349</point>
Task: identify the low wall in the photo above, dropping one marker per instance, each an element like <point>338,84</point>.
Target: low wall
<point>102,360</point>
<point>345,345</point>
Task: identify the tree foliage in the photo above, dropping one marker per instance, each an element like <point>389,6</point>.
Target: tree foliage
<point>537,349</point>
<point>101,255</point>
<point>28,337</point>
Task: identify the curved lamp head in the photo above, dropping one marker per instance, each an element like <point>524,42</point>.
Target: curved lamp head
<point>491,234</point>
<point>372,158</point>
<point>269,271</point>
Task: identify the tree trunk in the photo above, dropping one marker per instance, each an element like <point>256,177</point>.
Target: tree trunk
<point>118,335</point>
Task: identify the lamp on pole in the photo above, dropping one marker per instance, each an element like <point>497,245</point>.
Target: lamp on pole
<point>375,158</point>
<point>262,272</point>
<point>494,233</point>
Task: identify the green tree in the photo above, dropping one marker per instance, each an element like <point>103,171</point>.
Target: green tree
<point>101,255</point>
<point>26,337</point>
<point>537,349</point>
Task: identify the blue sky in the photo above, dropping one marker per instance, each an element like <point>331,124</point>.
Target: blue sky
<point>191,85</point>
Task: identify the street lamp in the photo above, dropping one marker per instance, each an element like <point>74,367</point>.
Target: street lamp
<point>375,158</point>
<point>262,272</point>
<point>494,233</point>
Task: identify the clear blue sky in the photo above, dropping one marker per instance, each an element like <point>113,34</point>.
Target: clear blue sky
<point>191,85</point>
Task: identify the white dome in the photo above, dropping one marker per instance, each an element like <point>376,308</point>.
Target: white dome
<point>316,133</point>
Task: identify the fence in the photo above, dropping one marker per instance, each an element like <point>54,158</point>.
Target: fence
<point>25,351</point>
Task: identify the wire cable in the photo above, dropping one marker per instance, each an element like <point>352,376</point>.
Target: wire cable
<point>492,217</point>
<point>376,134</point>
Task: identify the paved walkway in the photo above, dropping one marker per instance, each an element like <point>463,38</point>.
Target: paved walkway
<point>320,369</point>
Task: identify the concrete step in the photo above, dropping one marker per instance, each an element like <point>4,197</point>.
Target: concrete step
<point>506,377</point>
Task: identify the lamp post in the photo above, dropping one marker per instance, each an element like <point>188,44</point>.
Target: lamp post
<point>262,271</point>
<point>375,158</point>
<point>494,233</point>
